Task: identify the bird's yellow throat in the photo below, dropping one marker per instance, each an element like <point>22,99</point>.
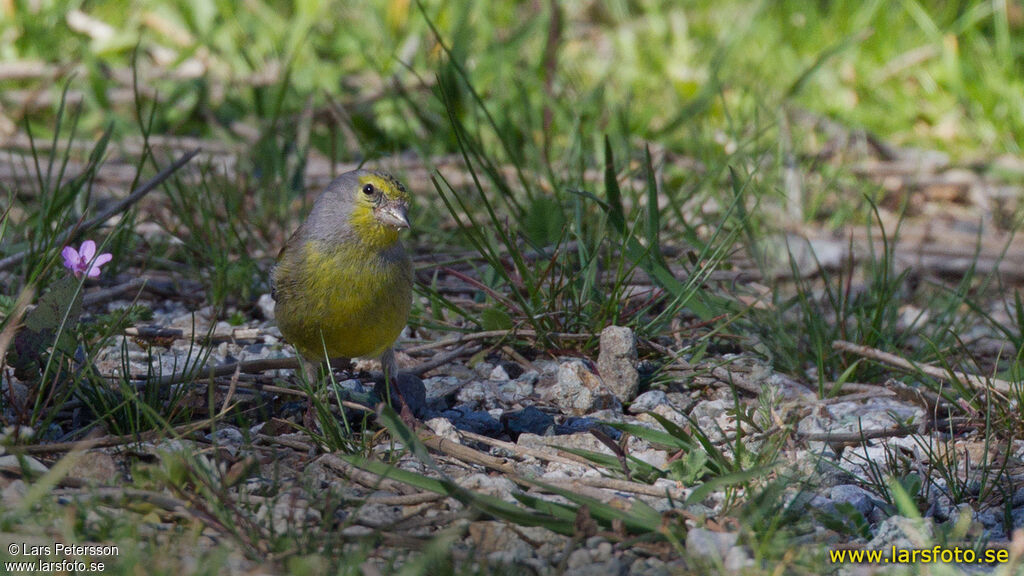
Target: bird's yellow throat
<point>369,230</point>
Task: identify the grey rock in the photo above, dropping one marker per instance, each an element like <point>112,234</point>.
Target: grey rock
<point>14,393</point>
<point>511,392</point>
<point>712,417</point>
<point>667,412</point>
<point>352,385</point>
<point>602,551</point>
<point>595,541</point>
<point>648,567</point>
<point>483,369</point>
<point>993,523</point>
<point>901,532</point>
<point>580,441</point>
<point>706,412</point>
<point>496,486</point>
<point>17,431</point>
<point>737,558</point>
<point>444,428</point>
<point>530,377</point>
<point>374,513</point>
<point>656,458</point>
<point>226,436</point>
<point>704,543</point>
<point>681,401</point>
<point>822,503</point>
<point>358,531</point>
<point>12,494</point>
<point>12,461</point>
<point>989,518</point>
<point>579,391</point>
<point>579,558</point>
<point>98,467</point>
<point>616,361</point>
<point>266,305</point>
<point>441,391</point>
<point>878,515</point>
<point>648,401</point>
<point>610,567</point>
<point>498,374</point>
<point>856,496</point>
<point>477,395</point>
<point>942,508</point>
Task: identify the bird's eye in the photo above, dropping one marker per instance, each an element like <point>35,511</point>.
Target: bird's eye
<point>369,189</point>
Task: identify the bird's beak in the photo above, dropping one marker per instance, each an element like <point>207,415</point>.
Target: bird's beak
<point>395,215</point>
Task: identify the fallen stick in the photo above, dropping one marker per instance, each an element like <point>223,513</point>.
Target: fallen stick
<point>933,371</point>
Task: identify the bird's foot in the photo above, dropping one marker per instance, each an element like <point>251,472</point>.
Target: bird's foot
<point>406,394</point>
<point>408,418</point>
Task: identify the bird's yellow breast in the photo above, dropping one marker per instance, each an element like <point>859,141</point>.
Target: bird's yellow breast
<point>352,301</point>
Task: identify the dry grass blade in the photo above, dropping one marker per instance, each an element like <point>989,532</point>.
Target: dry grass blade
<point>107,441</point>
<point>117,207</point>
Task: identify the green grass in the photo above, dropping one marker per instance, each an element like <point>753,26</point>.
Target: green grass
<point>934,73</point>
<point>635,143</point>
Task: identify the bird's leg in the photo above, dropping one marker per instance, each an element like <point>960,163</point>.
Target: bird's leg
<point>388,364</point>
<point>310,373</point>
<point>390,367</point>
<point>310,370</point>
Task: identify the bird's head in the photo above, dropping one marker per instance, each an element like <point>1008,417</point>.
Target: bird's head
<point>372,206</point>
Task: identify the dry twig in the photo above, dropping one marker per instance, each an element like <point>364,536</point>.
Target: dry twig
<point>935,372</point>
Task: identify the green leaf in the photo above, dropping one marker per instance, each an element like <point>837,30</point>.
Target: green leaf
<point>495,318</point>
<point>668,439</point>
<point>543,221</point>
<point>638,518</point>
<point>616,214</point>
<point>741,477</point>
<point>690,469</point>
<point>641,470</point>
<point>490,505</point>
<point>653,212</point>
<point>905,491</point>
<point>47,326</point>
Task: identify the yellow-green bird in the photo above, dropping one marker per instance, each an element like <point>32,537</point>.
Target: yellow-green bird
<point>343,281</point>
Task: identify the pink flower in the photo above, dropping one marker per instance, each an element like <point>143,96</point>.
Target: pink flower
<point>81,261</point>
